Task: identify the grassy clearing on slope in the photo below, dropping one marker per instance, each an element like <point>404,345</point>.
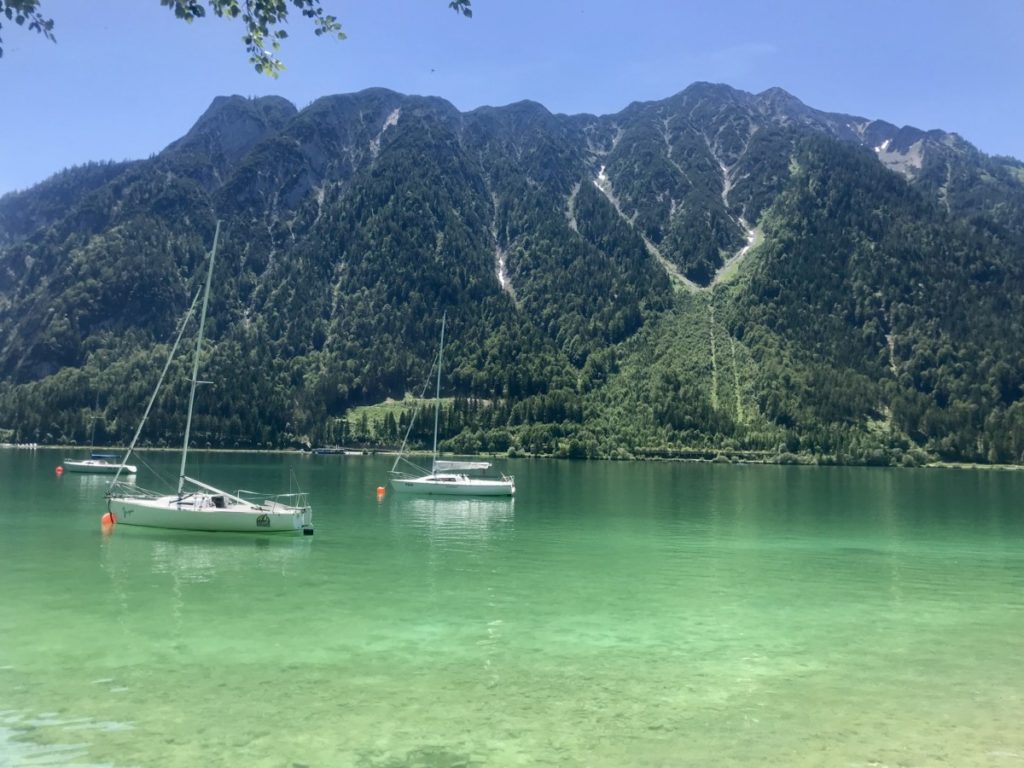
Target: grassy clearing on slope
<point>666,394</point>
<point>368,420</point>
<point>732,268</point>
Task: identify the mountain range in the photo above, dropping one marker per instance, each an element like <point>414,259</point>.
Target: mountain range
<point>717,274</point>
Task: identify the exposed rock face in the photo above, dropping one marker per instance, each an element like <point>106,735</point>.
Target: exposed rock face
<point>557,237</point>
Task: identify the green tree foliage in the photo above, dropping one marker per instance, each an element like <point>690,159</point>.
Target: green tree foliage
<point>263,20</point>
<point>25,13</point>
<point>877,323</point>
<point>862,270</point>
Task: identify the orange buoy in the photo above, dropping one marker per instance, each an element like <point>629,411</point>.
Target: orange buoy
<point>59,470</point>
<point>108,519</point>
<point>380,492</point>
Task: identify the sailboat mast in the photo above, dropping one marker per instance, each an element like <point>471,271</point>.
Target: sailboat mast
<point>195,362</point>
<point>437,396</point>
<point>92,433</point>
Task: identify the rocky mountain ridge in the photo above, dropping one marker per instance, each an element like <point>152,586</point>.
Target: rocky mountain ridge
<point>560,243</point>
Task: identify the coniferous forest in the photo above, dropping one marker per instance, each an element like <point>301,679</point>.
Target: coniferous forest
<point>714,275</point>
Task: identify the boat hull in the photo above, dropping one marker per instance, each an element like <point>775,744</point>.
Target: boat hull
<point>95,467</point>
<point>199,513</point>
<point>430,486</point>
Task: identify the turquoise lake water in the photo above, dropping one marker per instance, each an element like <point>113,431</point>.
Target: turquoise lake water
<point>612,614</point>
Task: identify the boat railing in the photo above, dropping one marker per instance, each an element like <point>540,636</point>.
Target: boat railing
<point>297,500</point>
<point>406,475</point>
<point>123,488</point>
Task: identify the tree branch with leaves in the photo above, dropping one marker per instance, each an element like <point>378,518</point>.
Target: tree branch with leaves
<point>25,13</point>
<point>264,22</point>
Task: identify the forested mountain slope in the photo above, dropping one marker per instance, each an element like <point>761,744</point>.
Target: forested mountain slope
<point>715,272</point>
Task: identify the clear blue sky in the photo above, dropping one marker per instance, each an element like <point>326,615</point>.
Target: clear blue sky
<point>126,78</point>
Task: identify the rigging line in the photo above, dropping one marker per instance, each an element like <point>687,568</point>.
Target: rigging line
<point>293,482</point>
<point>152,469</point>
<point>160,381</point>
<point>437,397</point>
<point>195,361</point>
<point>426,383</point>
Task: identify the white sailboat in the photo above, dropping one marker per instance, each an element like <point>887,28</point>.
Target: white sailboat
<point>99,463</point>
<point>448,478</point>
<point>196,505</point>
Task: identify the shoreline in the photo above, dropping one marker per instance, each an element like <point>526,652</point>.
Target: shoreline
<point>357,452</point>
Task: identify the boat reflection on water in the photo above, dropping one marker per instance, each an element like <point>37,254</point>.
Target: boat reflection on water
<point>456,518</point>
<point>168,587</point>
<point>87,480</point>
<point>196,556</point>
